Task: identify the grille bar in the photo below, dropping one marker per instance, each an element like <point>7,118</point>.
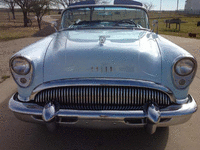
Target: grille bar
<point>103,97</point>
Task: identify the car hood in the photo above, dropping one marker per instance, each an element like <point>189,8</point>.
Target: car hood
<point>130,54</point>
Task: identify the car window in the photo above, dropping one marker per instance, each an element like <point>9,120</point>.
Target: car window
<point>99,17</point>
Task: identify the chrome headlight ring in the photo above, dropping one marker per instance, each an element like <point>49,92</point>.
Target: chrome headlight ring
<point>184,70</point>
<point>21,69</point>
<point>20,65</point>
<point>184,67</point>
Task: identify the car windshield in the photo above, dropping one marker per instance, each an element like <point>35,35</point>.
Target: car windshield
<point>104,17</point>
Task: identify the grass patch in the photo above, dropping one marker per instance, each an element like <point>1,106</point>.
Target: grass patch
<point>3,78</point>
<point>189,27</point>
<point>14,29</point>
<point>16,33</point>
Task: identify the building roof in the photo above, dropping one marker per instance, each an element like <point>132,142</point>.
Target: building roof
<point>107,2</point>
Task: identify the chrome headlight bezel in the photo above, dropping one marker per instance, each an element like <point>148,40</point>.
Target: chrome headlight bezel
<point>179,68</point>
<point>22,79</point>
<point>183,80</point>
<point>26,70</point>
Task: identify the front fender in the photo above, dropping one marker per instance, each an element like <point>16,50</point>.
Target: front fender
<point>169,52</point>
<point>36,54</point>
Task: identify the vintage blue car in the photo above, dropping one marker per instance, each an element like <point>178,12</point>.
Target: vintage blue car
<point>104,68</point>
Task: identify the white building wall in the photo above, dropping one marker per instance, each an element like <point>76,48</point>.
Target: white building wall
<point>192,6</point>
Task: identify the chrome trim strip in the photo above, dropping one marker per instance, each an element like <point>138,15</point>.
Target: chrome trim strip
<point>176,113</point>
<point>115,5</point>
<point>96,5</point>
<point>103,82</point>
<point>182,101</point>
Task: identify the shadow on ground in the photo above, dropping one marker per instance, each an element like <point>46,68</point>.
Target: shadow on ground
<point>122,139</point>
<point>16,134</point>
<point>47,30</point>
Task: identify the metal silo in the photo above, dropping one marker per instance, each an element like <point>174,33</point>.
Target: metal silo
<point>192,6</point>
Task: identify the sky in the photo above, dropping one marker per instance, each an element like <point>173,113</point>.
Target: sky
<point>165,5</point>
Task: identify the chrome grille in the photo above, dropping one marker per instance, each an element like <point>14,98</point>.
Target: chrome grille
<point>103,97</point>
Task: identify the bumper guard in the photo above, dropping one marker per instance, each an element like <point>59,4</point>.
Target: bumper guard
<point>151,117</point>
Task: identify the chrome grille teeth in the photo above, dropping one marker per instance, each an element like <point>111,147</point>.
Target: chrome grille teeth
<point>135,97</point>
<point>103,97</point>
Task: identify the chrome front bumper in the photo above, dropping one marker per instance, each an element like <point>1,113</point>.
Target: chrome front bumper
<point>149,118</point>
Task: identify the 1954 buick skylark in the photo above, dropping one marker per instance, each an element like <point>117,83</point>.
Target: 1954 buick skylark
<point>104,68</point>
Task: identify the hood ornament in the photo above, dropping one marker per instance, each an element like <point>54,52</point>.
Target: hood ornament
<point>102,40</point>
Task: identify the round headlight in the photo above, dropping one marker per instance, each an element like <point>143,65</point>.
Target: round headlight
<point>184,67</point>
<point>21,66</point>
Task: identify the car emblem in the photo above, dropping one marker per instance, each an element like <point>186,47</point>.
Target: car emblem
<point>102,40</point>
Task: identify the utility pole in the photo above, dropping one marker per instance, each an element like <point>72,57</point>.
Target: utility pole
<point>177,4</point>
<point>160,5</point>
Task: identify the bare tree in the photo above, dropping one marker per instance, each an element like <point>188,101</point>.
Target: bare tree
<point>40,7</point>
<point>148,6</point>
<point>11,5</point>
<point>65,3</point>
<point>25,6</point>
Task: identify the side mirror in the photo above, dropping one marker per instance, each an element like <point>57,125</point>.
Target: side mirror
<point>155,25</point>
<point>54,24</point>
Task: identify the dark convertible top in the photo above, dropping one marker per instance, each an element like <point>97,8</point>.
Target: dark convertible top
<point>107,2</point>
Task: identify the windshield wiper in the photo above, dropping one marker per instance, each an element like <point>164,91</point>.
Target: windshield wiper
<point>130,22</point>
<point>121,24</point>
